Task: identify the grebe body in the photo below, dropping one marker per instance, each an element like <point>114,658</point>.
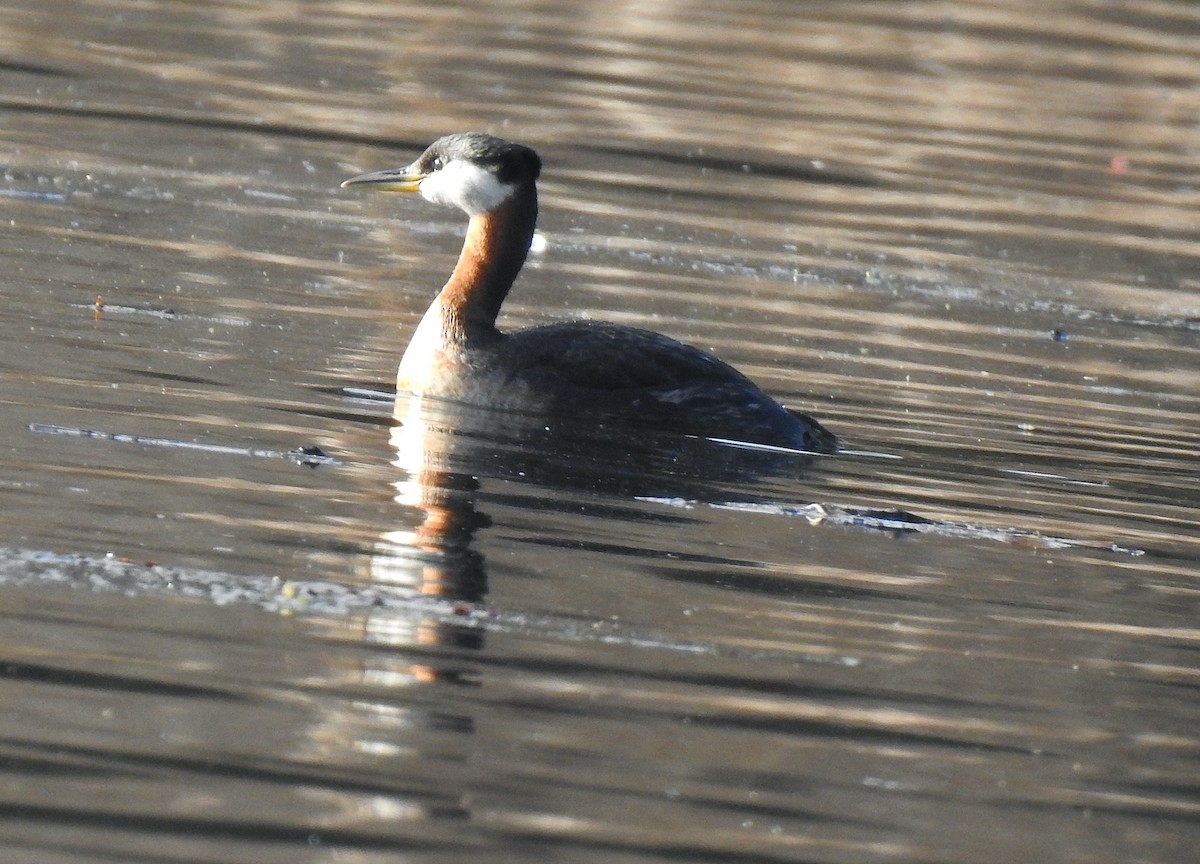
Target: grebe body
<point>583,371</point>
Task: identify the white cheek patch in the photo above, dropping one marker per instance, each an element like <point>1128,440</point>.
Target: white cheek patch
<point>466,186</point>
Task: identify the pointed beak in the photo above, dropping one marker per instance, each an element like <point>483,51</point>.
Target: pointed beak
<point>392,180</point>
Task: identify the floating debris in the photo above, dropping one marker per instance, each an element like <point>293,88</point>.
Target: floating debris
<point>113,573</point>
<point>308,455</point>
<point>32,195</point>
<point>1046,475</point>
<point>101,308</point>
<point>901,522</point>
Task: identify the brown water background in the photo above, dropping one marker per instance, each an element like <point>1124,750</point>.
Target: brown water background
<point>966,235</point>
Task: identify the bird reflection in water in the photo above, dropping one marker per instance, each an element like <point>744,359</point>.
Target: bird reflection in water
<point>566,410</point>
<point>436,557</point>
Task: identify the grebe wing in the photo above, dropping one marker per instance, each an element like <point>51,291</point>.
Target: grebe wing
<point>608,357</point>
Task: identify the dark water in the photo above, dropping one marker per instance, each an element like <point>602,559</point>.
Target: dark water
<point>963,235</point>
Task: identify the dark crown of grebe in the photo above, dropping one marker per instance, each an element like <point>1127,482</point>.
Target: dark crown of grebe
<point>582,370</point>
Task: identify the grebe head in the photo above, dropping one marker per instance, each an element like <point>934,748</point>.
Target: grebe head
<point>470,170</point>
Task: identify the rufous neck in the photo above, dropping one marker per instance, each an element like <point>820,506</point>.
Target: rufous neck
<point>493,252</point>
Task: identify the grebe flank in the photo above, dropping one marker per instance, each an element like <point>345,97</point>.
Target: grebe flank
<point>581,370</point>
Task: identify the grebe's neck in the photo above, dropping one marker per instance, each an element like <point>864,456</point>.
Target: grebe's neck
<point>463,315</point>
<point>492,255</point>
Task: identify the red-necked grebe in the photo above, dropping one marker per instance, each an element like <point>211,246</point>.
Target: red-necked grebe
<point>582,370</point>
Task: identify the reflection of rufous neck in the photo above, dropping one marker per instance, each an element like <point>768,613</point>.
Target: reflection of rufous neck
<point>435,557</point>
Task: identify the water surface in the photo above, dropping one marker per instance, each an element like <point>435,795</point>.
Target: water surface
<point>964,237</point>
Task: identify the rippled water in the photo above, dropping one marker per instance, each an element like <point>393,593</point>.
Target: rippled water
<point>963,235</point>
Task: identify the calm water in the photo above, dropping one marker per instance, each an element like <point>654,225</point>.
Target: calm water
<point>963,235</point>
